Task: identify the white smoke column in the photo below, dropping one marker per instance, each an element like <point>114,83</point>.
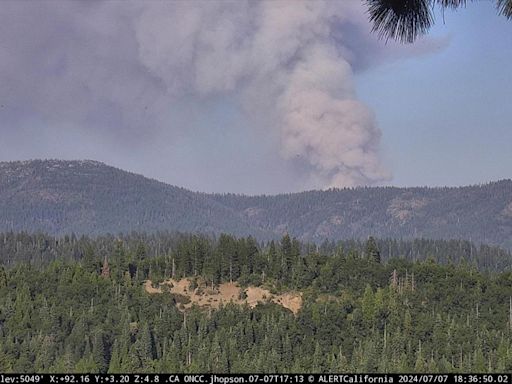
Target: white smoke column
<point>322,121</point>
<point>280,57</point>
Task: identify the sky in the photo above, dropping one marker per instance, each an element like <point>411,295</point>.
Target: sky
<point>257,97</point>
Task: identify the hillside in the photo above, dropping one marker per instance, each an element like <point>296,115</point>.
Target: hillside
<point>88,197</point>
<point>479,213</point>
<point>228,306</point>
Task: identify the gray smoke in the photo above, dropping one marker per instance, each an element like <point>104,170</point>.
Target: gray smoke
<point>113,69</point>
<point>283,52</point>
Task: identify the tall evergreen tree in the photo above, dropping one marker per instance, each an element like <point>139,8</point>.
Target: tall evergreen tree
<point>372,250</point>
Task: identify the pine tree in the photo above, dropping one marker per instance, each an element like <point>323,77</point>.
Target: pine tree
<point>368,306</point>
<point>45,355</point>
<point>318,360</point>
<point>372,250</point>
<point>286,259</point>
<point>64,363</point>
<point>420,364</point>
<point>86,365</point>
<point>115,359</point>
<point>3,277</point>
<point>5,362</point>
<point>98,352</point>
<point>144,346</point>
<point>105,269</point>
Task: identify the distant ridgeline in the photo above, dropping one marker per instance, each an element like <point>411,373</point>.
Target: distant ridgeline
<point>91,198</point>
<point>188,250</point>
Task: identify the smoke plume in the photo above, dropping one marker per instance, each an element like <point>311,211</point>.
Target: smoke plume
<point>113,70</point>
<point>283,52</point>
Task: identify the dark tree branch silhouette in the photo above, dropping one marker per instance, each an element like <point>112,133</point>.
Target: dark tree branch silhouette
<point>405,20</point>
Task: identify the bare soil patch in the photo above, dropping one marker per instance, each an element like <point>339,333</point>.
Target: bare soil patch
<point>206,296</point>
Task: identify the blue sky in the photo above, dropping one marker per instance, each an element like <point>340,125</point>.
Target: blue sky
<point>257,97</point>
<point>446,117</point>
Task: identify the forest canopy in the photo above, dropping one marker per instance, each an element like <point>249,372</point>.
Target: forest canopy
<point>78,305</point>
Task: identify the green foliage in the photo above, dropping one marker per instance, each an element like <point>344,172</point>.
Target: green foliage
<point>372,250</point>
<point>62,316</point>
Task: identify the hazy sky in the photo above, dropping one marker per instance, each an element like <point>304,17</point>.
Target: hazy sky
<point>256,97</point>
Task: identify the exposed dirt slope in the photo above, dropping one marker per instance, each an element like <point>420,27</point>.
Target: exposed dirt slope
<point>206,296</point>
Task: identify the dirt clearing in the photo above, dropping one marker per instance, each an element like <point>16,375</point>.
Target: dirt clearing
<point>206,296</point>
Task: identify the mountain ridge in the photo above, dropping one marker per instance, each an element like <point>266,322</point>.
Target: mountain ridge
<point>90,197</point>
<point>331,189</point>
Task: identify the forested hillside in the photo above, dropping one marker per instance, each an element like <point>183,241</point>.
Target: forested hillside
<point>88,197</point>
<point>88,311</point>
<point>478,213</point>
<point>41,249</point>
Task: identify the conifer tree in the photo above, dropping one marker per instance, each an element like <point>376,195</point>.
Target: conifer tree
<point>3,277</point>
<point>372,250</point>
<point>115,365</point>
